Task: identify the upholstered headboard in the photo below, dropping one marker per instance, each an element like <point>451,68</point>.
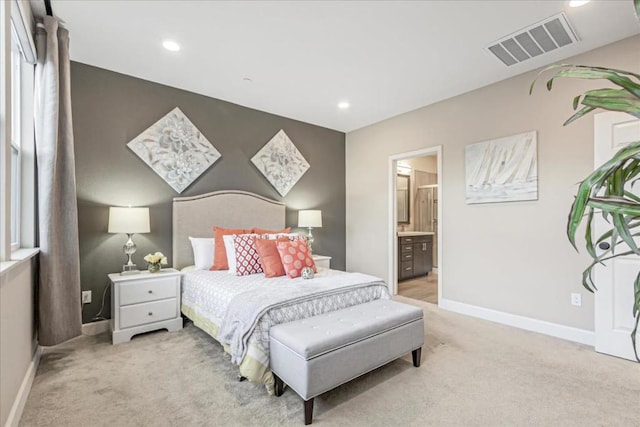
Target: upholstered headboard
<point>196,216</point>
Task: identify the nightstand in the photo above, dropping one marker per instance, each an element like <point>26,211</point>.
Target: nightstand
<point>144,302</point>
<point>322,261</point>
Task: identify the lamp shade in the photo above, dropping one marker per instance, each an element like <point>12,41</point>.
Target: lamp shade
<point>310,218</point>
<point>128,220</point>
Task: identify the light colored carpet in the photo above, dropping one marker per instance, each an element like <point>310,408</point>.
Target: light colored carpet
<point>474,373</point>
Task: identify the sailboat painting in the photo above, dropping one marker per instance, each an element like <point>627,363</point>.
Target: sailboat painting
<point>502,170</point>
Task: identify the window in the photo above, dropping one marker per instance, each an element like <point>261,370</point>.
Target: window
<point>17,143</point>
<point>16,131</point>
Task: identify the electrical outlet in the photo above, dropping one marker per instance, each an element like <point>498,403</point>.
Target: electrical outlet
<point>86,297</point>
<point>576,299</point>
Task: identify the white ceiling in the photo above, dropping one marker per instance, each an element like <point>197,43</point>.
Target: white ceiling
<point>385,58</point>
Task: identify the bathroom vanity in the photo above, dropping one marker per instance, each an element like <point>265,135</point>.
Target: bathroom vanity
<point>415,254</point>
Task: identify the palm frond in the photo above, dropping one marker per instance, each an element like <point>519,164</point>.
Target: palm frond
<point>608,189</point>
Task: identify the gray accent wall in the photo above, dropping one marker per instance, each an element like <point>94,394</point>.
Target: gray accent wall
<point>110,109</point>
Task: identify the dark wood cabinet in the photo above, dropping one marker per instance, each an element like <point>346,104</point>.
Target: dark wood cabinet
<point>415,256</point>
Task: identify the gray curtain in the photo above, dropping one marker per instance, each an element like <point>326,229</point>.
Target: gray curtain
<point>59,315</point>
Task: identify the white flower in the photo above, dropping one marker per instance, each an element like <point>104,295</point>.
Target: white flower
<point>157,258</point>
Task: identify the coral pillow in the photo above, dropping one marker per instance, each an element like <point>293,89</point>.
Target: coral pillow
<point>247,258</point>
<point>257,230</point>
<point>219,254</point>
<point>270,257</point>
<point>295,256</point>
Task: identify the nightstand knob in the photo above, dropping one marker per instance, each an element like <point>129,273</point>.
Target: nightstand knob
<point>151,313</point>
<point>150,291</point>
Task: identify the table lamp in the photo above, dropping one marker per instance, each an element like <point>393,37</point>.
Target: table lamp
<point>310,219</point>
<point>129,221</point>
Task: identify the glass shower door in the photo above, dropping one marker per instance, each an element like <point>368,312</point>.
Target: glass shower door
<point>427,215</point>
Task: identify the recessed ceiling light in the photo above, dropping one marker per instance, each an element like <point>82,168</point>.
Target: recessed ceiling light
<point>247,80</point>
<point>171,45</point>
<point>343,105</point>
<point>578,3</point>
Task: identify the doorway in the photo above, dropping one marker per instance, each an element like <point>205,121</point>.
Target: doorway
<point>415,225</point>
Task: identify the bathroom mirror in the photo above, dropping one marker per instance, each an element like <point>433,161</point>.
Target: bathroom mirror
<point>402,198</point>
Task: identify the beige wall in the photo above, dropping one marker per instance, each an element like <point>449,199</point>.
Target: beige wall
<point>18,342</point>
<point>424,163</point>
<point>17,331</point>
<point>511,257</point>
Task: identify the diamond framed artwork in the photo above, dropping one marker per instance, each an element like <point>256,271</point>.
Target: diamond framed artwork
<point>281,163</point>
<point>502,169</point>
<point>175,149</point>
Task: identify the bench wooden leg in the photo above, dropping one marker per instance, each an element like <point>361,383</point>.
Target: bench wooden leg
<point>308,411</point>
<point>417,355</point>
<point>279,385</point>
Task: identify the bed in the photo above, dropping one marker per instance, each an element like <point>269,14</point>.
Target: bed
<point>238,311</point>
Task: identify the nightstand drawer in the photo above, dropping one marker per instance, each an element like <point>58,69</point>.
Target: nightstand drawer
<point>148,290</point>
<point>140,314</point>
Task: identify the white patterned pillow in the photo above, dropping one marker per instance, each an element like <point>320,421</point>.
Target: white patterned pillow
<point>230,250</point>
<point>247,257</point>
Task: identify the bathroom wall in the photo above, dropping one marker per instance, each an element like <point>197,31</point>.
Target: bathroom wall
<point>424,171</point>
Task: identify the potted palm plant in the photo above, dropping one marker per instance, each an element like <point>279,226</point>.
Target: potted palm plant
<point>608,191</point>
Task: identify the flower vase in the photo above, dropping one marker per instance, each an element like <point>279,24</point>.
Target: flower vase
<point>154,268</point>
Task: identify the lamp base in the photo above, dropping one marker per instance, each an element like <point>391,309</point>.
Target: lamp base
<point>129,249</point>
<point>129,269</point>
<point>310,241</point>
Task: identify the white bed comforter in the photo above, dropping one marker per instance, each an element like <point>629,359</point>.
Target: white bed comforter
<point>245,307</point>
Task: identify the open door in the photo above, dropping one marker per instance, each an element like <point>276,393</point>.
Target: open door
<point>614,297</point>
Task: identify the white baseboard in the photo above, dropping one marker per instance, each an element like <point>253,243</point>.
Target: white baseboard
<point>23,393</point>
<point>569,333</point>
<point>95,328</point>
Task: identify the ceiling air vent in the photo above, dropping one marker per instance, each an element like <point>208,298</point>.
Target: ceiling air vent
<point>542,37</point>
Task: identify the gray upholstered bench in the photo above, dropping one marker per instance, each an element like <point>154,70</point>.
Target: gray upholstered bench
<point>317,354</point>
